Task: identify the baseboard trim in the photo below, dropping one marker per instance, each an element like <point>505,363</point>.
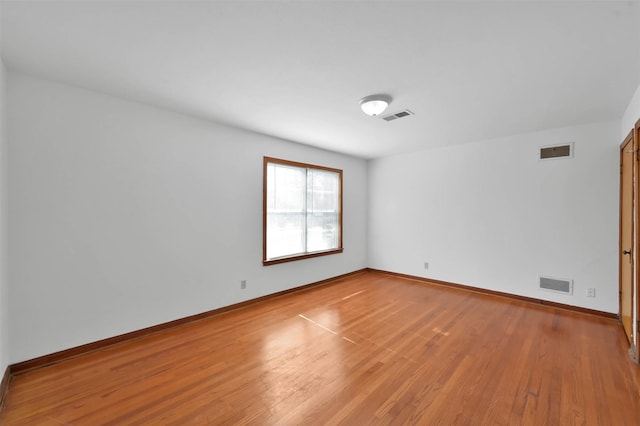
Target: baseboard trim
<point>500,294</point>
<point>57,357</point>
<point>4,386</point>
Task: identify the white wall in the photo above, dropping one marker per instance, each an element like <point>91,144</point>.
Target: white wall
<point>4,290</point>
<point>631,115</point>
<point>124,216</point>
<point>491,215</point>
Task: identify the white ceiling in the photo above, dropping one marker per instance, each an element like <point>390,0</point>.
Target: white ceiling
<point>296,70</point>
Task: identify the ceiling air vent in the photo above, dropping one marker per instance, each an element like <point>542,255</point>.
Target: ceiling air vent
<point>557,151</point>
<point>397,115</point>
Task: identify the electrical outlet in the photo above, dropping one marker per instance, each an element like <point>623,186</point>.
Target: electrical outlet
<point>243,284</point>
<point>426,265</point>
<point>591,292</point>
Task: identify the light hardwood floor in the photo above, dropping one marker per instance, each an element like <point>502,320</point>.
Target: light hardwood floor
<point>369,349</point>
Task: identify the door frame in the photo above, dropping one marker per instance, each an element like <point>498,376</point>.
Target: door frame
<point>636,282</point>
<point>628,303</point>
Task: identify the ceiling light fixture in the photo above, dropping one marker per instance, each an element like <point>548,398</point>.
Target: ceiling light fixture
<point>375,104</point>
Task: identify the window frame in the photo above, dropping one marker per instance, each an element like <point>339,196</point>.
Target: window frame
<point>305,255</point>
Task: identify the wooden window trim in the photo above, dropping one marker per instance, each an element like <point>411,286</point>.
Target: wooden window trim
<point>292,258</point>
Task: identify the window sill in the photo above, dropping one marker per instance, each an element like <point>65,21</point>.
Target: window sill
<point>300,256</point>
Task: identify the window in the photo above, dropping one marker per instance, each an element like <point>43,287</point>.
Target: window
<point>302,211</point>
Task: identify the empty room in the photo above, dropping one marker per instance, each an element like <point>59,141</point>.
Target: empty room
<point>319,212</point>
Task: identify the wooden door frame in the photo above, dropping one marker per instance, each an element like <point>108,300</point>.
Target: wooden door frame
<point>624,150</point>
<point>634,138</point>
<point>636,282</point>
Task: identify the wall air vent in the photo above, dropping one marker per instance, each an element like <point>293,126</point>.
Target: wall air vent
<point>397,115</point>
<point>557,151</point>
<point>556,285</point>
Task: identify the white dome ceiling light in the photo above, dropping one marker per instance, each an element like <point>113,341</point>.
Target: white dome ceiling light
<point>375,104</point>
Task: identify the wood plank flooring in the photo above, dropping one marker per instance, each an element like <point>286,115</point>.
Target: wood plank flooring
<point>368,349</point>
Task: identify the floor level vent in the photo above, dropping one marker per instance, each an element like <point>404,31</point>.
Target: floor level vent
<point>556,285</point>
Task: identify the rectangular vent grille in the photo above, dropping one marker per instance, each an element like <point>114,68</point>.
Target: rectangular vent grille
<point>556,285</point>
<point>397,115</point>
<point>557,151</point>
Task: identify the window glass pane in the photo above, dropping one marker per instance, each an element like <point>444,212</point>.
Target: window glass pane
<point>286,192</point>
<point>322,209</point>
<point>285,234</point>
<point>322,231</point>
<point>289,187</point>
<point>323,191</point>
